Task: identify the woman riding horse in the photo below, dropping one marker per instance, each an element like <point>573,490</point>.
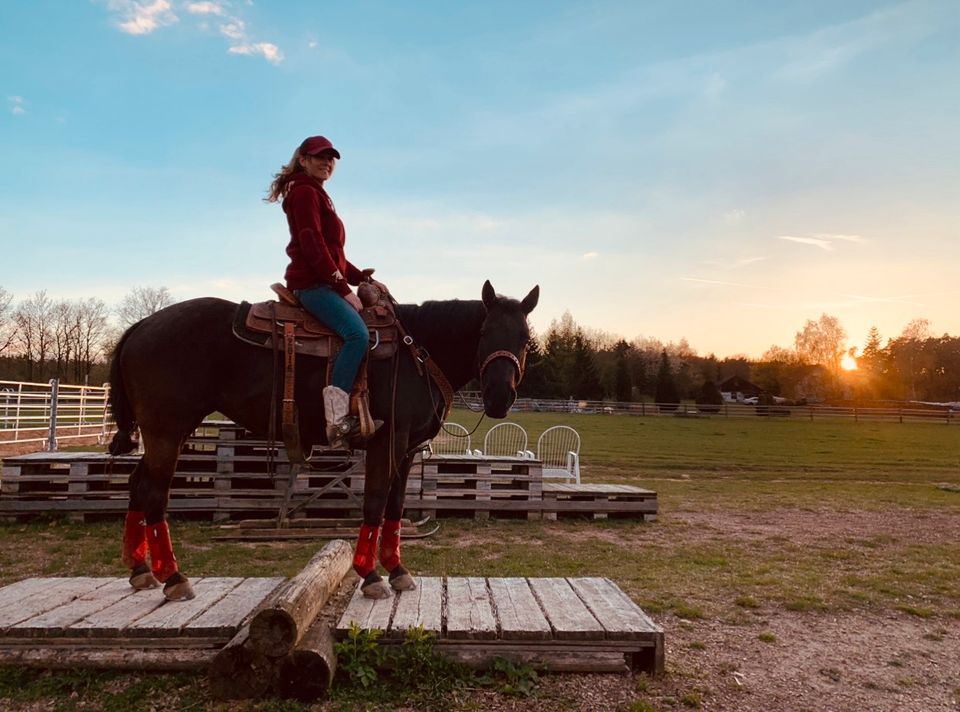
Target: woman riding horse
<point>319,272</point>
<point>176,366</point>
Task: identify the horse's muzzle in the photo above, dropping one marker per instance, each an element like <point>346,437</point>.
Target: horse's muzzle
<point>497,400</point>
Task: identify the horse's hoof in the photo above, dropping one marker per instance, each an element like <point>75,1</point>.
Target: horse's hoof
<point>178,588</point>
<point>401,580</point>
<point>142,580</point>
<point>375,588</point>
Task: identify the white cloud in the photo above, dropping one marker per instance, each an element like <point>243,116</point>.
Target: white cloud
<point>234,29</point>
<point>16,105</point>
<point>815,241</point>
<point>205,8</point>
<point>590,255</point>
<point>138,18</point>
<point>269,51</point>
<point>735,216</point>
<point>847,238</point>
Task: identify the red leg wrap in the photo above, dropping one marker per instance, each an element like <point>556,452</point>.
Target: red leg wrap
<point>162,561</point>
<point>390,545</point>
<point>134,540</point>
<point>365,556</point>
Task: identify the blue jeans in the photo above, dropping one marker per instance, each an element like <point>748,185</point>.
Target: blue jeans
<point>334,311</point>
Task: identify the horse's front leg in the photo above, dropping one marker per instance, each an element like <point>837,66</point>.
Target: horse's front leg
<point>400,578</point>
<point>375,490</point>
<point>153,489</point>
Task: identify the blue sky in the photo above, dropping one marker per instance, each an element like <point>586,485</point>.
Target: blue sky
<point>719,171</point>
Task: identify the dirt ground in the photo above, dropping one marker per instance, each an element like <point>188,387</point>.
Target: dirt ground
<point>837,661</point>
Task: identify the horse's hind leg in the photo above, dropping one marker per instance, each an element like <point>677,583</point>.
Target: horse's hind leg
<point>134,553</point>
<point>400,578</point>
<point>153,489</point>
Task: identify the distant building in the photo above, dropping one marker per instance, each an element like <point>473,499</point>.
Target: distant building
<point>736,389</point>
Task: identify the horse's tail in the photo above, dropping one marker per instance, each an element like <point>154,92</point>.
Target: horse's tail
<point>122,442</point>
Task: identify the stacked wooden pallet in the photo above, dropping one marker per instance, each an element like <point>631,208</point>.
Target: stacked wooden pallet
<point>480,486</point>
<point>222,473</point>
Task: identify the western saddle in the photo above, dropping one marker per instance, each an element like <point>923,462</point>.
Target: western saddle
<point>288,328</point>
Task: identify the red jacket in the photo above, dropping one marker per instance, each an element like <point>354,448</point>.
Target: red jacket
<point>316,239</point>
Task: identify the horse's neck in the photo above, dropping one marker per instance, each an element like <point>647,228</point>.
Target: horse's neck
<point>450,332</point>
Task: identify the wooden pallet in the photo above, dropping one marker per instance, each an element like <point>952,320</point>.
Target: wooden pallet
<point>480,486</point>
<point>598,501</point>
<point>103,623</point>
<point>575,624</point>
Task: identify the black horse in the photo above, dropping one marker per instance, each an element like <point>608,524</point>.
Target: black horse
<point>176,366</point>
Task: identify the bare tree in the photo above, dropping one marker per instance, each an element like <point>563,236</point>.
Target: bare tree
<point>92,336</point>
<point>7,325</point>
<point>822,342</point>
<point>33,318</point>
<point>63,320</point>
<point>141,302</point>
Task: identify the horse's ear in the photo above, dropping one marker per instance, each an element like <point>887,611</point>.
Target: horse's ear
<point>530,301</point>
<point>489,296</point>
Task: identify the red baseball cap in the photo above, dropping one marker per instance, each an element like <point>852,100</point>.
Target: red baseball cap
<point>317,144</point>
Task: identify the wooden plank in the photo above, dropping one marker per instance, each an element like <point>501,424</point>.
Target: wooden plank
<point>619,615</point>
<point>113,620</point>
<point>189,660</point>
<point>170,618</point>
<point>518,612</point>
<point>46,595</point>
<point>228,614</point>
<point>423,606</point>
<point>368,613</point>
<point>469,609</point>
<point>15,592</point>
<point>56,621</point>
<point>567,614</point>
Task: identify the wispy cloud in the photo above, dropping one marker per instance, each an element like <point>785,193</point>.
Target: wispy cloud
<point>815,241</point>
<point>16,104</point>
<point>234,29</point>
<point>269,51</point>
<point>735,216</point>
<point>142,18</point>
<point>824,240</point>
<point>846,238</point>
<point>590,255</point>
<point>721,283</point>
<point>205,8</point>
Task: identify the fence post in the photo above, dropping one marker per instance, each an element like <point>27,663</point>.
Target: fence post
<point>855,419</point>
<point>106,403</point>
<point>52,436</point>
<point>811,414</point>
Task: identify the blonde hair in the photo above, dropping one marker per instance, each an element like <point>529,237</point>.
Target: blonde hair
<point>278,188</point>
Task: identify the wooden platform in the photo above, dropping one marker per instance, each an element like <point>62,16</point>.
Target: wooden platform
<point>573,624</point>
<point>103,623</point>
<point>598,501</point>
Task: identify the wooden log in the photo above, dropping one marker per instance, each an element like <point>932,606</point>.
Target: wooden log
<point>240,672</point>
<point>306,673</point>
<point>277,629</point>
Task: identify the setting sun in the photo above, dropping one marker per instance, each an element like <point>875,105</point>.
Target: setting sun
<point>848,363</point>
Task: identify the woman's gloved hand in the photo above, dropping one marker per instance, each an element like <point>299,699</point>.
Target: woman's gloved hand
<point>368,277</point>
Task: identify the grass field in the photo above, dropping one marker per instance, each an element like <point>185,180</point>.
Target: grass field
<point>770,530</point>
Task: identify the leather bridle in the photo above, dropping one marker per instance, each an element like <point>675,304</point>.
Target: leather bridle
<point>518,363</point>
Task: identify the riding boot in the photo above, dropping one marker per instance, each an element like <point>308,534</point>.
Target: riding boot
<point>336,405</point>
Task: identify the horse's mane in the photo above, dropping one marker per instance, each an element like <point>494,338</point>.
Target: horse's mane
<point>451,319</point>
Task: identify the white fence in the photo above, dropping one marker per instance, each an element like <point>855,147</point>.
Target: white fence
<point>45,414</point>
<point>906,413</point>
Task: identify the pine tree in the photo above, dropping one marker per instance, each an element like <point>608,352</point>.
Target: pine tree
<point>666,396</point>
<point>710,399</point>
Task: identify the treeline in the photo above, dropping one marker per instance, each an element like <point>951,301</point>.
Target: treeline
<point>43,338</point>
<point>570,361</point>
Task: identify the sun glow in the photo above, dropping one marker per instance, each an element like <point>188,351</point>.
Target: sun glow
<point>848,363</point>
